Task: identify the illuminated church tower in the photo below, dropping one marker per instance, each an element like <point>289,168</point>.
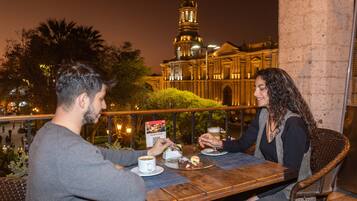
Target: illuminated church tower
<point>224,74</point>
<point>187,30</point>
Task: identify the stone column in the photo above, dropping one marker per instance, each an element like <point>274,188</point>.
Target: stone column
<point>314,42</point>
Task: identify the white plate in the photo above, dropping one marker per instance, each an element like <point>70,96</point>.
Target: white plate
<point>157,171</point>
<point>212,152</point>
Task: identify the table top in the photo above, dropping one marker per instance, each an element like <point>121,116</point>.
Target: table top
<point>215,182</point>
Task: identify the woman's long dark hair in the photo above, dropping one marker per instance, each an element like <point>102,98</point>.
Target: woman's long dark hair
<point>284,95</point>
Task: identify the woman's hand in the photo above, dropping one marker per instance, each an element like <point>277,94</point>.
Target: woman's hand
<point>209,140</point>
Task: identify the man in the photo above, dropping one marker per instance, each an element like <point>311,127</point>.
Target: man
<point>63,166</point>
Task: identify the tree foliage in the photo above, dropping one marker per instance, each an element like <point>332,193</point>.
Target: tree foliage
<point>131,87</point>
<point>32,62</point>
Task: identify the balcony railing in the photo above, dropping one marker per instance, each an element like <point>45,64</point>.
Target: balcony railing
<point>134,116</point>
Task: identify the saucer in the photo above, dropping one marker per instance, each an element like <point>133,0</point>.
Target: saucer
<point>212,152</point>
<point>157,171</point>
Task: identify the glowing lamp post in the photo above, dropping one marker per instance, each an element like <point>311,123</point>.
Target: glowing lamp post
<point>119,126</point>
<point>128,130</point>
<point>206,48</point>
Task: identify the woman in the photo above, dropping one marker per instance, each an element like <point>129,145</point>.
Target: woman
<point>281,129</point>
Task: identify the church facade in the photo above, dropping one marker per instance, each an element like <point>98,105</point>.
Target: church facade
<point>224,74</point>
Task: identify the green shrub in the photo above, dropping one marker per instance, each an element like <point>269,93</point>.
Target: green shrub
<point>14,163</point>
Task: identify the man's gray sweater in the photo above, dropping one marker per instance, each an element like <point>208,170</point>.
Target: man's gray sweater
<point>63,166</point>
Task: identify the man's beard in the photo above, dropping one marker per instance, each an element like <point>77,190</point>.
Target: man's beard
<point>90,117</point>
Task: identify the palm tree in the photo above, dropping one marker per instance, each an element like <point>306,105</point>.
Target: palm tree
<point>54,31</point>
<point>70,42</point>
<point>36,59</point>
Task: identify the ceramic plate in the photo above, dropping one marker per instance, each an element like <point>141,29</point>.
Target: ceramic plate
<point>157,171</point>
<point>212,152</point>
<point>183,164</point>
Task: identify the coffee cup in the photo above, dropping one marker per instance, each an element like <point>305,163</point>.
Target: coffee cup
<point>146,164</point>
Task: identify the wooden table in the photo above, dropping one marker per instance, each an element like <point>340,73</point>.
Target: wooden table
<point>214,182</point>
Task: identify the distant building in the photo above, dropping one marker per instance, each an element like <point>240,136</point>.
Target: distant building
<point>225,74</point>
<point>154,82</point>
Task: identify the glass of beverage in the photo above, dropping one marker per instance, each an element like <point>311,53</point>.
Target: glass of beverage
<point>215,132</point>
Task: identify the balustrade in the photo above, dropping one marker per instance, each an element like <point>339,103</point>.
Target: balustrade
<point>134,118</point>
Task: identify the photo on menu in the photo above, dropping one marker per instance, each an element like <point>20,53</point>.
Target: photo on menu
<point>154,130</point>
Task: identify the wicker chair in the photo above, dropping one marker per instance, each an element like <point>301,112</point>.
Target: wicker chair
<point>329,149</point>
<point>12,189</point>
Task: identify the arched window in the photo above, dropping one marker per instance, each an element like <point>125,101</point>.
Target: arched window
<point>227,96</point>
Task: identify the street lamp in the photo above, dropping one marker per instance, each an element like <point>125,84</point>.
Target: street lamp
<point>206,48</point>
<point>128,130</point>
<point>119,127</point>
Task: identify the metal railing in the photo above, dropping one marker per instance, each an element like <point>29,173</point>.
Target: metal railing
<point>134,115</point>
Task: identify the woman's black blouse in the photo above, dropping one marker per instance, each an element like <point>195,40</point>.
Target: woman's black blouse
<point>294,137</point>
<point>295,144</point>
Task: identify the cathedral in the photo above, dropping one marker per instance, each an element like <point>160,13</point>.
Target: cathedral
<point>222,73</point>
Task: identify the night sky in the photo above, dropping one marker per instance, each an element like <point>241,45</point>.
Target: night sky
<point>150,25</point>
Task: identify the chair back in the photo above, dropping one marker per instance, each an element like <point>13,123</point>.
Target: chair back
<point>12,189</point>
<point>325,148</point>
<point>328,149</point>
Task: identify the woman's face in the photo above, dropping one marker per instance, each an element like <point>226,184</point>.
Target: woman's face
<point>261,92</point>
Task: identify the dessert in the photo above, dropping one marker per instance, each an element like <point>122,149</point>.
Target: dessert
<point>190,164</point>
<point>195,160</point>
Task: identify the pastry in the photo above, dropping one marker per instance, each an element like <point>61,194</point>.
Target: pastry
<point>195,160</point>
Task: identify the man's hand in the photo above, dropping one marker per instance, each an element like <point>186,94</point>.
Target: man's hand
<point>253,198</point>
<point>160,146</point>
<point>209,140</point>
<point>118,167</point>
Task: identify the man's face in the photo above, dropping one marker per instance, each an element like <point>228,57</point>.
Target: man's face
<point>97,105</point>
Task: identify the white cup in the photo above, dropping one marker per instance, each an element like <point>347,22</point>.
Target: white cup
<point>146,164</point>
<point>171,154</point>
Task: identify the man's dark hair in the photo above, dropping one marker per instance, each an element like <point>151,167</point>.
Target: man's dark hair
<point>73,80</point>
